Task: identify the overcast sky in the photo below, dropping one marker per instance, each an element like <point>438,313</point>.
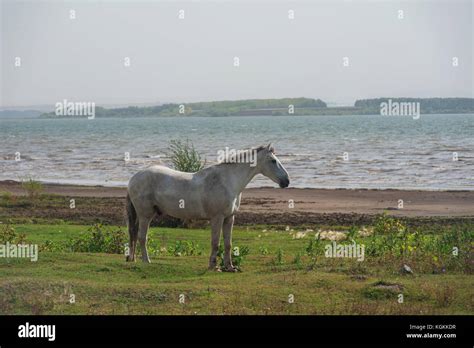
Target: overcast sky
<point>192,59</point>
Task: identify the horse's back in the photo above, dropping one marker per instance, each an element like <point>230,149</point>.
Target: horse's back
<point>166,189</point>
<point>182,195</point>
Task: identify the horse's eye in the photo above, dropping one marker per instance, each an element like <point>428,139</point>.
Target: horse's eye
<point>274,161</point>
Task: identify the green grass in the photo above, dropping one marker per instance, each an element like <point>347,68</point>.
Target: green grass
<point>106,284</point>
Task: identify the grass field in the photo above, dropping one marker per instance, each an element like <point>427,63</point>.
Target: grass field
<point>279,268</point>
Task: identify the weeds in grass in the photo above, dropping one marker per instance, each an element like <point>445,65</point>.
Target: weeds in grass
<point>314,247</point>
<point>445,296</point>
<point>352,233</point>
<point>278,260</point>
<point>184,248</point>
<point>297,260</point>
<point>51,246</point>
<point>238,257</point>
<point>101,239</point>
<point>451,249</point>
<point>238,254</point>
<point>382,290</point>
<point>97,239</point>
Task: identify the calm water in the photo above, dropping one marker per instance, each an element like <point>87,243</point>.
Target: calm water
<point>384,152</point>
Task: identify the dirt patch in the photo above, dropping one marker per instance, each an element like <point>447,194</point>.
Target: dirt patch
<point>263,206</point>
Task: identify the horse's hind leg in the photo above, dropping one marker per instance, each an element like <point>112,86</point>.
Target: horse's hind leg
<point>133,246</point>
<point>143,225</point>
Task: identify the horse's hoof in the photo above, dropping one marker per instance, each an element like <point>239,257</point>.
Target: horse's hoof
<point>214,269</point>
<point>231,269</point>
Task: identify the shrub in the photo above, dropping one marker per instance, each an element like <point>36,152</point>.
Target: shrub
<point>385,224</point>
<point>391,236</point>
<point>8,234</point>
<point>32,187</point>
<point>184,248</point>
<point>99,239</point>
<point>184,156</point>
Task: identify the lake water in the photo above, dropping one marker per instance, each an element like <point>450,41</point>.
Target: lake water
<point>383,151</point>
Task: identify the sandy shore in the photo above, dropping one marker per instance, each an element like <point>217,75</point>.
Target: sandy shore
<point>310,201</point>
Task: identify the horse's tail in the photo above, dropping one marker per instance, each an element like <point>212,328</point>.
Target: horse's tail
<point>132,226</point>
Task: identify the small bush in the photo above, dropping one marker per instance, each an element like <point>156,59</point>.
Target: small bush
<point>184,157</point>
<point>32,187</point>
<point>184,248</point>
<point>385,224</point>
<point>8,234</point>
<point>99,239</point>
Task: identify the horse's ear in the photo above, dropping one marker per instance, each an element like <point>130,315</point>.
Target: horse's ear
<point>270,148</point>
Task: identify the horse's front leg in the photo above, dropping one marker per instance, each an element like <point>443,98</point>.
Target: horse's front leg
<point>227,231</point>
<point>216,228</point>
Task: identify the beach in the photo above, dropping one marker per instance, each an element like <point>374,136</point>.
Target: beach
<point>266,205</point>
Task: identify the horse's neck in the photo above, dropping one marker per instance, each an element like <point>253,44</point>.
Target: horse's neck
<point>238,175</point>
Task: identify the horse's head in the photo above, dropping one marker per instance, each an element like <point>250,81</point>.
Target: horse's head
<point>270,166</point>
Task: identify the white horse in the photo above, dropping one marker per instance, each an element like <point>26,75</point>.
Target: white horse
<point>211,194</point>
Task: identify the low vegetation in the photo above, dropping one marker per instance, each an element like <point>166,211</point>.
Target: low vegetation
<point>89,262</point>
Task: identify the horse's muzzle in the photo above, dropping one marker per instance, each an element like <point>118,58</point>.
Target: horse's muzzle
<point>285,183</point>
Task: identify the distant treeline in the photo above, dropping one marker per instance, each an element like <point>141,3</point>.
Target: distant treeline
<point>302,106</point>
<point>278,107</point>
